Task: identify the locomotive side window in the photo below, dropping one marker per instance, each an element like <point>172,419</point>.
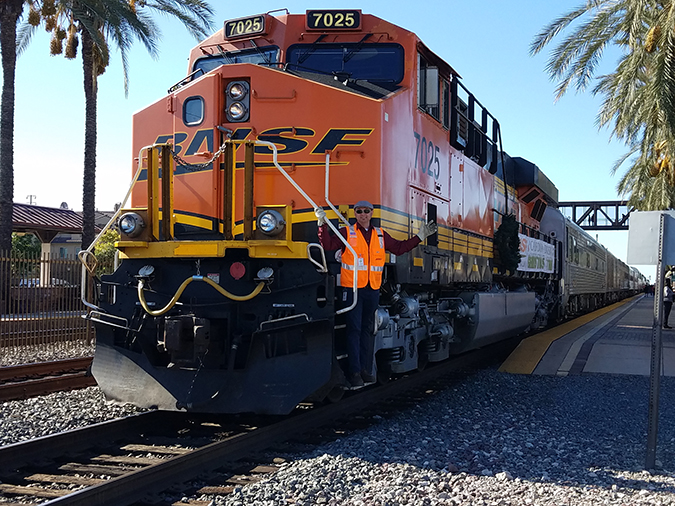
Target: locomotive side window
<point>428,96</point>
<point>268,55</point>
<point>381,63</point>
<point>193,111</point>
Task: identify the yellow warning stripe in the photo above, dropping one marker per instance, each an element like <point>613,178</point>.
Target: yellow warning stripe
<point>531,350</point>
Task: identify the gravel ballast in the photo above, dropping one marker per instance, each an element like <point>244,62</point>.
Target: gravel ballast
<point>17,355</point>
<point>57,412</point>
<point>492,439</point>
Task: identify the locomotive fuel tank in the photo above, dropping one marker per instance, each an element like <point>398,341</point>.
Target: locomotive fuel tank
<point>493,317</point>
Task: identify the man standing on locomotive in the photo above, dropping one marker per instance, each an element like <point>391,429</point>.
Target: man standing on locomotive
<point>370,249</point>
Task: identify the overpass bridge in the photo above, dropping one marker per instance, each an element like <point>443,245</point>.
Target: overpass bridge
<point>605,215</point>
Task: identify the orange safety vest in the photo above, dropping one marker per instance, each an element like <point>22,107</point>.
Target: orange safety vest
<point>370,261</point>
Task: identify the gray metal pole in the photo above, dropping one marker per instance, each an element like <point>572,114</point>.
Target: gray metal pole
<point>655,366</point>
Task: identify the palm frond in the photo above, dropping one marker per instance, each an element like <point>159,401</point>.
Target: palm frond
<point>638,96</point>
<point>195,15</point>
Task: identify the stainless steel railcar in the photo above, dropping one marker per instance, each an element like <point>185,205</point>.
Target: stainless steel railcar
<point>590,275</point>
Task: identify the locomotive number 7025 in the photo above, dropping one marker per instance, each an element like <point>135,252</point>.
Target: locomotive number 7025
<point>426,156</point>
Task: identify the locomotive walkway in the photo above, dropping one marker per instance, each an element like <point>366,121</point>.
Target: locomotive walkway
<point>612,340</point>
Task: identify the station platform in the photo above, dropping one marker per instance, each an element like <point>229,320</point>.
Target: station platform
<point>613,340</point>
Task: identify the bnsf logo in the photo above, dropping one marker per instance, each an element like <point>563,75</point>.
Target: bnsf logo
<point>288,140</point>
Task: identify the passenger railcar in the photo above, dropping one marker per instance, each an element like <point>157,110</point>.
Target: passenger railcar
<point>591,277</point>
<point>224,302</point>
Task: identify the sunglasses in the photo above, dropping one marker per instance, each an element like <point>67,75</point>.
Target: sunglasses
<point>361,211</point>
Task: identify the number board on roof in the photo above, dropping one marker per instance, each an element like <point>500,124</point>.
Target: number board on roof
<point>334,19</point>
<point>245,27</point>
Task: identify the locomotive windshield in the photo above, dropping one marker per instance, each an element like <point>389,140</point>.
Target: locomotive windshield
<point>369,62</point>
<point>268,55</point>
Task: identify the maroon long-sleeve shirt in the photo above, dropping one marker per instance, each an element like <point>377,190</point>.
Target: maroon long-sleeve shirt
<point>330,242</point>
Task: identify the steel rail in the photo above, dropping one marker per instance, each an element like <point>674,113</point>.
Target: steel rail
<point>12,372</point>
<point>31,380</point>
<point>19,454</point>
<point>43,386</point>
<point>132,487</point>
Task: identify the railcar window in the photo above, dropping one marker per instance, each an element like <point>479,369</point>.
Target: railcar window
<point>268,55</point>
<point>356,61</point>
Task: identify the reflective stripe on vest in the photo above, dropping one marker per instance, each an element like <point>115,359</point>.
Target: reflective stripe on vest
<point>370,263</point>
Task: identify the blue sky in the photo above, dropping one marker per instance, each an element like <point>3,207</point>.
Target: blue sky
<point>487,42</point>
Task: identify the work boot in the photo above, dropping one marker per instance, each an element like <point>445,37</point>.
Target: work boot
<point>355,380</point>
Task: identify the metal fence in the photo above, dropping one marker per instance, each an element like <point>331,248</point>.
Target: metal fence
<point>40,301</point>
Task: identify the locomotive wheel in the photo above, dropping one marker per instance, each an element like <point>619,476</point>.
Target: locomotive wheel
<point>422,360</point>
<point>335,394</point>
<point>383,376</point>
<point>383,371</point>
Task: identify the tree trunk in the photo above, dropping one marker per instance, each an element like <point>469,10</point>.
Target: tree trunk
<point>89,176</point>
<point>10,10</point>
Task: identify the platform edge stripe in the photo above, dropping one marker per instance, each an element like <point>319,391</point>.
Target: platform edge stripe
<point>527,355</point>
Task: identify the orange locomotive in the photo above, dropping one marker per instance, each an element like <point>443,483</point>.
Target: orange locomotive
<point>225,302</point>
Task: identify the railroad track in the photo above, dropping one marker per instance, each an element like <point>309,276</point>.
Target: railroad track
<point>30,380</point>
<point>121,462</point>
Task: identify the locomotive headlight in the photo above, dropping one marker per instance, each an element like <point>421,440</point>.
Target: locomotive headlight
<point>237,111</point>
<point>131,224</point>
<point>271,222</point>
<point>237,101</point>
<point>237,90</point>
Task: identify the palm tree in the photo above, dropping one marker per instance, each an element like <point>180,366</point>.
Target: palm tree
<point>114,25</point>
<point>638,96</point>
<point>12,42</point>
<point>10,12</point>
<point>99,24</point>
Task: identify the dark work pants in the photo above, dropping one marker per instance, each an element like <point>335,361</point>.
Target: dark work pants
<point>361,328</point>
<point>667,306</point>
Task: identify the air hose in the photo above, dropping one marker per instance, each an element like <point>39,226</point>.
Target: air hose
<point>184,284</point>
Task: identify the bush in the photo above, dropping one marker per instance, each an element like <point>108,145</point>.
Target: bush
<point>105,251</point>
